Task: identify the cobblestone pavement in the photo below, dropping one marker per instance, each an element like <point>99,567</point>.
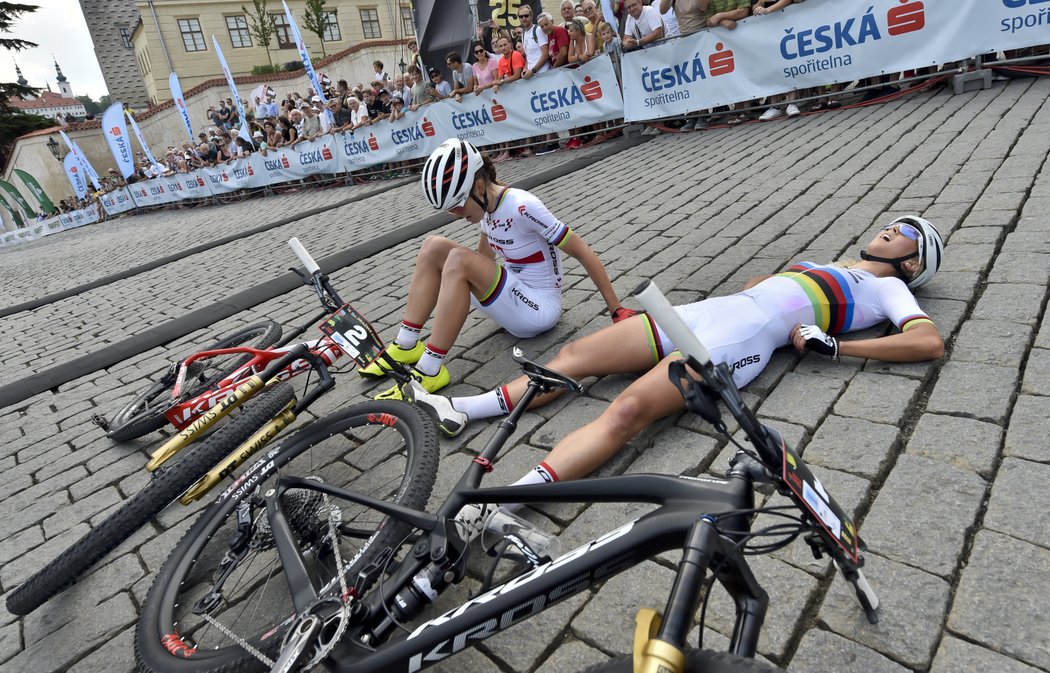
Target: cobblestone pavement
<point>944,465</point>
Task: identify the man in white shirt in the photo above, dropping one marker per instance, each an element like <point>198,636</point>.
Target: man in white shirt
<point>644,25</point>
<point>537,57</point>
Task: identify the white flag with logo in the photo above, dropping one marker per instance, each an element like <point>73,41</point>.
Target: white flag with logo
<point>116,133</point>
<point>243,131</point>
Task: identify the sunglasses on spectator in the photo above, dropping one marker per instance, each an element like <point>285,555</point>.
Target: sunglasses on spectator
<point>479,51</point>
<point>906,230</point>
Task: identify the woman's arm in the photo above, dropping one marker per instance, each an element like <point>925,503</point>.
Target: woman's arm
<point>920,343</point>
<point>590,41</point>
<point>751,282</point>
<point>484,247</point>
<point>579,249</point>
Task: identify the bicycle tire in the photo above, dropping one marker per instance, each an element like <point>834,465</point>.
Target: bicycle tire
<point>696,661</point>
<point>371,429</point>
<point>65,569</point>
<point>138,418</point>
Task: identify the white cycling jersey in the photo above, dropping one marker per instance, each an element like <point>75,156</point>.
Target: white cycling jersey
<point>744,329</point>
<point>526,238</point>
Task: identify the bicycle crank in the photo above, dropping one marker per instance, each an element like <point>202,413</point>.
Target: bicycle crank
<point>312,636</point>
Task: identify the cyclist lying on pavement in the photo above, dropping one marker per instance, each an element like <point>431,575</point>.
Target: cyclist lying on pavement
<point>514,276</point>
<point>805,306</point>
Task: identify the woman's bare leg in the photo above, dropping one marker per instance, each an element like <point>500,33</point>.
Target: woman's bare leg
<point>645,401</point>
<point>465,272</point>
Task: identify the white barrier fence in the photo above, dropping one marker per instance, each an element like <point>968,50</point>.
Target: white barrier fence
<point>51,225</point>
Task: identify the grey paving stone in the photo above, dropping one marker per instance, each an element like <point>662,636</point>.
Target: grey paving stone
<point>999,609</point>
<point>607,622</point>
<point>1010,302</point>
<point>853,445</point>
<point>1028,429</point>
<point>825,652</point>
<point>802,399</point>
<point>946,498</point>
<point>961,442</point>
<point>570,657</point>
<point>877,398</point>
<point>10,641</point>
<point>676,451</point>
<point>790,591</point>
<point>1036,381</point>
<point>959,656</point>
<point>1019,501</point>
<point>65,646</point>
<point>992,342</point>
<point>525,644</point>
<point>1021,267</point>
<point>81,510</point>
<point>29,513</point>
<point>976,390</point>
<point>912,610</point>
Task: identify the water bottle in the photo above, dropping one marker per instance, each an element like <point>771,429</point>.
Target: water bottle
<point>536,544</point>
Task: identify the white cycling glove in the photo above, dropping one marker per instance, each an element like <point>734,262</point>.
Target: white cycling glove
<point>819,342</point>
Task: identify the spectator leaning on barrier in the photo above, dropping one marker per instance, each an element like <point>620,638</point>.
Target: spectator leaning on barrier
<point>534,42</point>
<point>670,20</point>
<point>439,88</point>
<point>358,113</point>
<point>397,107</point>
<point>726,13</point>
<point>417,89</point>
<point>557,40</point>
<point>643,26</point>
<point>691,14</point>
<point>582,45</point>
<point>462,75</point>
<point>486,67</point>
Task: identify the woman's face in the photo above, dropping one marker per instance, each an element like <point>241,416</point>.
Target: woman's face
<point>471,210</point>
<point>896,240</point>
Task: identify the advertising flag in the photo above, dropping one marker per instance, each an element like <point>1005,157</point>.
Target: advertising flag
<point>18,198</point>
<point>180,103</point>
<point>243,131</point>
<point>19,223</point>
<point>75,173</point>
<point>142,143</point>
<point>303,53</point>
<point>82,161</point>
<point>116,133</point>
<point>37,191</point>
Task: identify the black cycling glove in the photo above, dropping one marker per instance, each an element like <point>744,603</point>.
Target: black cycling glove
<point>819,342</point>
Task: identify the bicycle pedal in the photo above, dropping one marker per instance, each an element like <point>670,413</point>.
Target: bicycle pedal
<point>100,421</point>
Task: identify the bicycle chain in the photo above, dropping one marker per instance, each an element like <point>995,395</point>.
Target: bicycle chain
<point>238,640</point>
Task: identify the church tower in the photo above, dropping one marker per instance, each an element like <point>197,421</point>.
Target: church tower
<point>63,84</point>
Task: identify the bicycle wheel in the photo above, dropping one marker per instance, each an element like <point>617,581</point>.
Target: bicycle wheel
<point>386,449</point>
<point>145,413</point>
<point>167,485</point>
<point>696,661</point>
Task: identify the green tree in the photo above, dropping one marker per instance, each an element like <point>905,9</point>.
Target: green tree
<point>90,106</point>
<point>315,21</point>
<point>105,101</point>
<point>260,25</point>
<point>9,11</point>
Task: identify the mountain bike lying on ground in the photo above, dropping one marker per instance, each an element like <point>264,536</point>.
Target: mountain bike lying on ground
<point>289,568</point>
<point>197,393</point>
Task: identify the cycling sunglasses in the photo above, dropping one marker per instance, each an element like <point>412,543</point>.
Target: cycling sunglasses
<point>906,230</point>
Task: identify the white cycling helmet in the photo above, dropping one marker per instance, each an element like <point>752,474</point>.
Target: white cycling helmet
<point>930,251</point>
<point>448,175</point>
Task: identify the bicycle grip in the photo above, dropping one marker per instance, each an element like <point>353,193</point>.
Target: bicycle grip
<point>654,301</point>
<point>304,256</point>
<point>863,592</point>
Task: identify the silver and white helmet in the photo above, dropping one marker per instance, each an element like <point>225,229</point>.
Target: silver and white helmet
<point>448,175</point>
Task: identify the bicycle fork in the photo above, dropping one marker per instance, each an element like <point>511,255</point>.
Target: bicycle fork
<point>659,643</point>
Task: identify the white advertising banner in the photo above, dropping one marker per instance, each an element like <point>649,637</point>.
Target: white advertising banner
<point>180,104</point>
<point>78,218</point>
<point>118,201</point>
<point>142,142</point>
<point>238,174</point>
<point>814,44</point>
<point>52,225</point>
<point>76,175</point>
<point>243,130</point>
<point>152,192</point>
<point>117,138</point>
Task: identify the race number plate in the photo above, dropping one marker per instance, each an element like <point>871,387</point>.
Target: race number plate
<point>353,334</point>
<point>811,495</point>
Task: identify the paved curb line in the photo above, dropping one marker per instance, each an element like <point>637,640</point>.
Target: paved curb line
<point>204,247</point>
<point>53,377</point>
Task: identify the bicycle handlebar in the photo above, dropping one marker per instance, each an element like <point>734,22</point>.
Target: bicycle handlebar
<point>304,256</point>
<point>654,301</point>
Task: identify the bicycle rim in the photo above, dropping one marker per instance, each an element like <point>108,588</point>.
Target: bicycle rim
<point>387,451</point>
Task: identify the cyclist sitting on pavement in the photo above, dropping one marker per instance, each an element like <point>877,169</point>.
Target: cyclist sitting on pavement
<point>514,276</point>
<point>803,306</point>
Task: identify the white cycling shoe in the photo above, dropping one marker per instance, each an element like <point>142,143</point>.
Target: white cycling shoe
<point>437,407</point>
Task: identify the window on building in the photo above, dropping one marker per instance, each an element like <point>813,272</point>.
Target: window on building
<point>239,35</point>
<point>283,32</point>
<point>125,38</point>
<point>370,23</point>
<point>331,27</point>
<point>408,25</point>
<point>192,36</point>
